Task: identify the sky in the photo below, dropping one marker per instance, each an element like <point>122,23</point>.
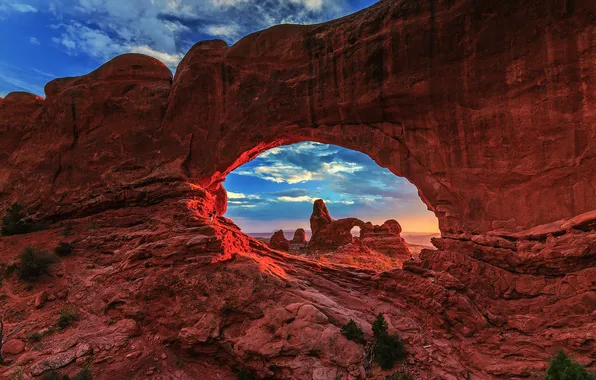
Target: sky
<point>45,39</point>
<point>277,189</point>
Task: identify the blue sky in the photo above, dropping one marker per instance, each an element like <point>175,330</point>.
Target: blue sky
<point>276,190</point>
<point>45,39</point>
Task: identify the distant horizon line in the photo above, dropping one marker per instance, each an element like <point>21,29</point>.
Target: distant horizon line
<point>308,230</point>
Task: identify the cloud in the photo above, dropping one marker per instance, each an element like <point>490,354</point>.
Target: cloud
<point>23,8</point>
<point>228,32</point>
<point>302,198</point>
<point>166,29</point>
<point>232,195</point>
<point>171,60</point>
<point>290,193</point>
<point>227,3</point>
<point>33,41</point>
<point>13,78</point>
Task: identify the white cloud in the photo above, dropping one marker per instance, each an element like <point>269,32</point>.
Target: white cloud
<point>23,8</point>
<point>227,3</point>
<point>341,167</point>
<point>302,198</point>
<point>280,173</point>
<point>232,195</point>
<point>314,5</point>
<point>33,41</point>
<point>171,60</point>
<point>230,31</point>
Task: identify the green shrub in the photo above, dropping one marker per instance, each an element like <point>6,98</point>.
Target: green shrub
<point>67,231</point>
<point>33,263</point>
<point>10,269</point>
<point>15,221</point>
<point>84,374</point>
<point>53,375</point>
<point>351,331</point>
<point>388,348</point>
<point>401,376</point>
<point>245,375</point>
<point>564,368</point>
<point>64,249</point>
<point>34,337</point>
<point>67,317</point>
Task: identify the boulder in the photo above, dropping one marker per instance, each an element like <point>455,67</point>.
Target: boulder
<point>13,347</point>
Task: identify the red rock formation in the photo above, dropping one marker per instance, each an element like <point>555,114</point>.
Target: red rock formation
<point>329,234</point>
<point>486,106</point>
<point>278,241</point>
<point>299,236</point>
<point>386,239</point>
<point>320,218</point>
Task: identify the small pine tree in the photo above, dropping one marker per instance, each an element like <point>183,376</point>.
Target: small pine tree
<point>564,368</point>
<point>84,374</point>
<point>388,348</point>
<point>67,317</point>
<point>380,327</point>
<point>33,263</point>
<point>15,221</point>
<point>354,333</point>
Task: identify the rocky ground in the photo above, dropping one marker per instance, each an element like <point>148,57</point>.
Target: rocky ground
<point>177,296</point>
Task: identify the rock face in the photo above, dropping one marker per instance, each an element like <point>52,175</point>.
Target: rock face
<point>299,236</point>
<point>320,218</point>
<point>329,234</point>
<point>278,241</point>
<point>386,239</point>
<point>488,107</point>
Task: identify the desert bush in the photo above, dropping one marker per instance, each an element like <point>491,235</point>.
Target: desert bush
<point>10,269</point>
<point>33,263</point>
<point>351,331</point>
<point>563,367</point>
<point>64,249</point>
<point>401,376</point>
<point>67,317</point>
<point>53,375</point>
<point>84,374</point>
<point>244,374</point>
<point>15,221</point>
<point>388,348</point>
<point>34,337</point>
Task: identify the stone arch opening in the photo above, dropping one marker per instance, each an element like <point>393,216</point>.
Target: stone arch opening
<point>276,190</point>
<point>375,141</point>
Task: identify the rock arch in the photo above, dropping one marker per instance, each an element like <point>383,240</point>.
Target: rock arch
<point>487,108</point>
<point>439,92</point>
